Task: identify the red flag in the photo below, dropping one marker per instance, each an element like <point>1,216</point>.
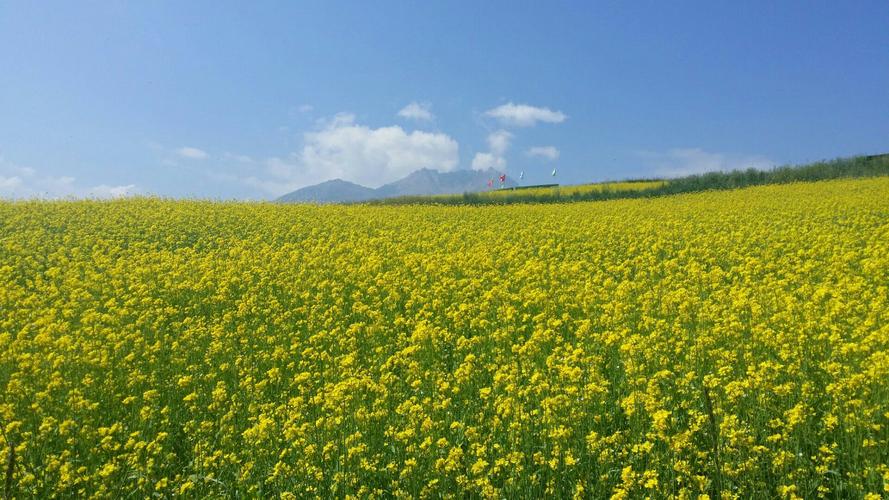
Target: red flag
<point>502,178</point>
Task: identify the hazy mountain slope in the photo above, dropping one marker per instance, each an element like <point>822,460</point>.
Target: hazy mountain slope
<point>334,191</point>
<point>421,182</point>
<point>426,181</point>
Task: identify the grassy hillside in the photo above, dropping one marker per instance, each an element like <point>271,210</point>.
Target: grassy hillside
<point>860,166</point>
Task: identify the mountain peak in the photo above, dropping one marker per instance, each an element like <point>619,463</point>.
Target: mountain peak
<point>424,181</point>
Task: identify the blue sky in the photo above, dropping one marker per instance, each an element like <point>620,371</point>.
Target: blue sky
<point>242,100</point>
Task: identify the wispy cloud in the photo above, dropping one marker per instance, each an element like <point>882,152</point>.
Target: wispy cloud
<point>192,153</point>
<point>524,115</point>
<point>678,162</point>
<point>499,142</point>
<point>548,152</point>
<point>417,111</point>
<point>106,191</point>
<point>238,158</point>
<point>18,181</point>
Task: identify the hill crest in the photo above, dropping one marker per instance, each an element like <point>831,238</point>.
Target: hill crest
<point>422,182</point>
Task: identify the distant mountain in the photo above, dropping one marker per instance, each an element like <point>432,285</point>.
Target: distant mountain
<point>427,181</point>
<point>335,191</point>
<point>421,182</point>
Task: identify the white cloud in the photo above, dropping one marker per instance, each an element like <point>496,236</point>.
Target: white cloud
<point>106,191</point>
<point>498,142</point>
<point>548,152</point>
<point>341,148</point>
<point>678,162</point>
<point>524,115</point>
<point>24,182</point>
<point>192,153</point>
<point>306,108</point>
<point>17,181</point>
<point>417,111</point>
<point>484,161</point>
<point>9,184</point>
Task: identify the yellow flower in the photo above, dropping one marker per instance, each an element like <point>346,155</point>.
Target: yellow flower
<point>188,347</point>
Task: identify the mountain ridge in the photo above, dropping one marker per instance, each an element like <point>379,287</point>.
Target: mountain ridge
<point>422,182</point>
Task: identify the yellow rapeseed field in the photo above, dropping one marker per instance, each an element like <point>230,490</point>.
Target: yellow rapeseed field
<point>730,344</point>
<point>509,195</point>
<point>578,189</point>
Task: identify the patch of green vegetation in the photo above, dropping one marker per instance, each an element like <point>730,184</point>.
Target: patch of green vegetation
<point>858,166</point>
